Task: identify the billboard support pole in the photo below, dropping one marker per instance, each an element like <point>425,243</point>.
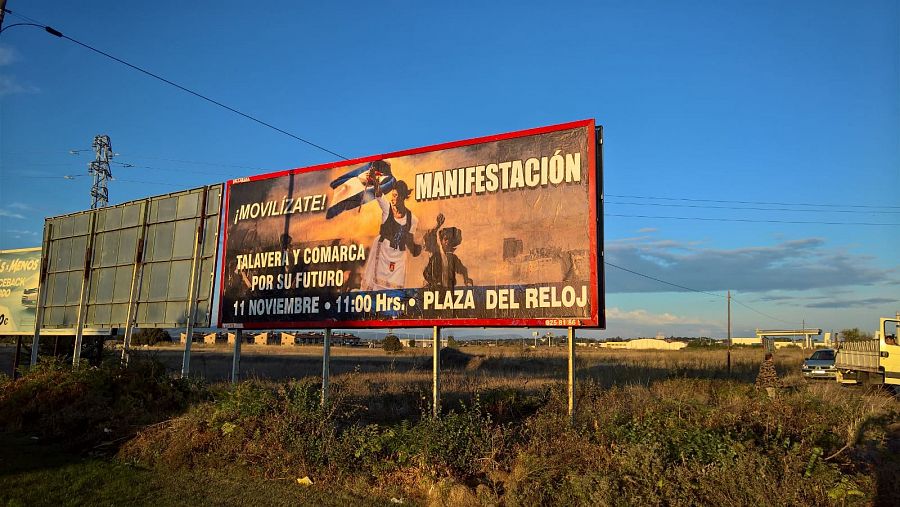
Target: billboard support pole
<point>326,365</point>
<point>15,368</point>
<point>236,361</point>
<point>137,279</point>
<point>436,374</point>
<point>42,292</point>
<point>199,240</point>
<point>571,346</point>
<point>85,284</point>
<point>601,261</point>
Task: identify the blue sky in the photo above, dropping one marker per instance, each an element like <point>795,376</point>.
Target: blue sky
<point>756,101</point>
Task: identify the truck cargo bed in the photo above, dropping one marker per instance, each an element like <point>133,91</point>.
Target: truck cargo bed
<point>859,355</point>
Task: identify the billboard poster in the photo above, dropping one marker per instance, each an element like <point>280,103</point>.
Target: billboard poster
<point>494,231</point>
<point>19,275</point>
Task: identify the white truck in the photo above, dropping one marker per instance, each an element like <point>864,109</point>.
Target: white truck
<point>873,361</point>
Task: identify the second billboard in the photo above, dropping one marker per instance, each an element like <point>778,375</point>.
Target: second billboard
<point>495,231</point>
<point>19,274</point>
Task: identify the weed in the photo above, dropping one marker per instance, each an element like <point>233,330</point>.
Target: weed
<point>90,404</point>
<point>640,435</point>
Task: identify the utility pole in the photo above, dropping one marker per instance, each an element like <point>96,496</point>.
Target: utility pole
<point>99,169</point>
<point>2,11</point>
<point>729,333</point>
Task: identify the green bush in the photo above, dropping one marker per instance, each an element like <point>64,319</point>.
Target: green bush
<point>678,441</point>
<point>855,335</point>
<point>150,336</point>
<point>391,343</point>
<point>87,405</point>
<point>462,444</point>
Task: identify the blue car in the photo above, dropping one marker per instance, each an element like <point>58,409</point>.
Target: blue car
<point>820,365</point>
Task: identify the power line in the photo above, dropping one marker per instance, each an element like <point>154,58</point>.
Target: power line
<point>140,166</point>
<point>143,182</point>
<point>61,35</point>
<point>697,291</point>
<point>19,24</point>
<point>663,281</point>
<point>64,176</point>
<point>749,220</point>
<point>39,164</point>
<point>74,176</point>
<point>792,210</point>
<point>26,18</point>
<point>761,313</point>
<point>747,202</point>
<point>214,164</point>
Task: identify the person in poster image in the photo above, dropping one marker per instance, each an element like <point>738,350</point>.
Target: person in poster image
<point>386,262</point>
<point>443,266</point>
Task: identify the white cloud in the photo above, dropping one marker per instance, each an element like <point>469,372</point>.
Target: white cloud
<point>853,303</point>
<point>10,85</point>
<point>647,230</point>
<point>641,316</point>
<point>18,233</point>
<point>7,55</point>
<point>640,322</point>
<point>789,265</point>
<point>10,214</point>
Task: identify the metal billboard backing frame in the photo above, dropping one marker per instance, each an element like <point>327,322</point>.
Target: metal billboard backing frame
<point>171,214</point>
<point>85,283</point>
<point>199,239</point>
<point>137,277</point>
<point>42,294</point>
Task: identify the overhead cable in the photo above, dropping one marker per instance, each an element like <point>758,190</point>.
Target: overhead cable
<point>61,35</point>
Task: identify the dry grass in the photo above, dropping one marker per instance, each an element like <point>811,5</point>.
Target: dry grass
<point>652,427</point>
<point>393,386</point>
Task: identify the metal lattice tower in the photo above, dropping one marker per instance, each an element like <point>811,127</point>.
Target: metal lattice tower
<point>99,169</point>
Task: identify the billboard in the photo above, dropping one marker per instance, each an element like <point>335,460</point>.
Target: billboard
<point>140,252</point>
<point>19,275</point>
<point>494,231</point>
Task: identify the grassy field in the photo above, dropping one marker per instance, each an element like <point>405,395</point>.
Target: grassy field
<point>213,362</point>
<point>34,474</point>
<point>651,427</point>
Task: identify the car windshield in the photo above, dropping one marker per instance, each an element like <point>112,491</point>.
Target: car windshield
<point>823,355</point>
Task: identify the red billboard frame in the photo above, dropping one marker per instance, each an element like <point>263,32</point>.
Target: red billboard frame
<point>597,318</point>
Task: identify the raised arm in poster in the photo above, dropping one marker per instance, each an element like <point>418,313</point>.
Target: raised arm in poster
<point>379,241</point>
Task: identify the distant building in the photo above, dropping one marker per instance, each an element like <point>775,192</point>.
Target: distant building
<point>645,344</point>
<point>290,339</point>
<point>421,343</point>
<point>264,338</point>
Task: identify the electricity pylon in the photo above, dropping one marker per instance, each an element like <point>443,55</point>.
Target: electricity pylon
<point>99,169</point>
